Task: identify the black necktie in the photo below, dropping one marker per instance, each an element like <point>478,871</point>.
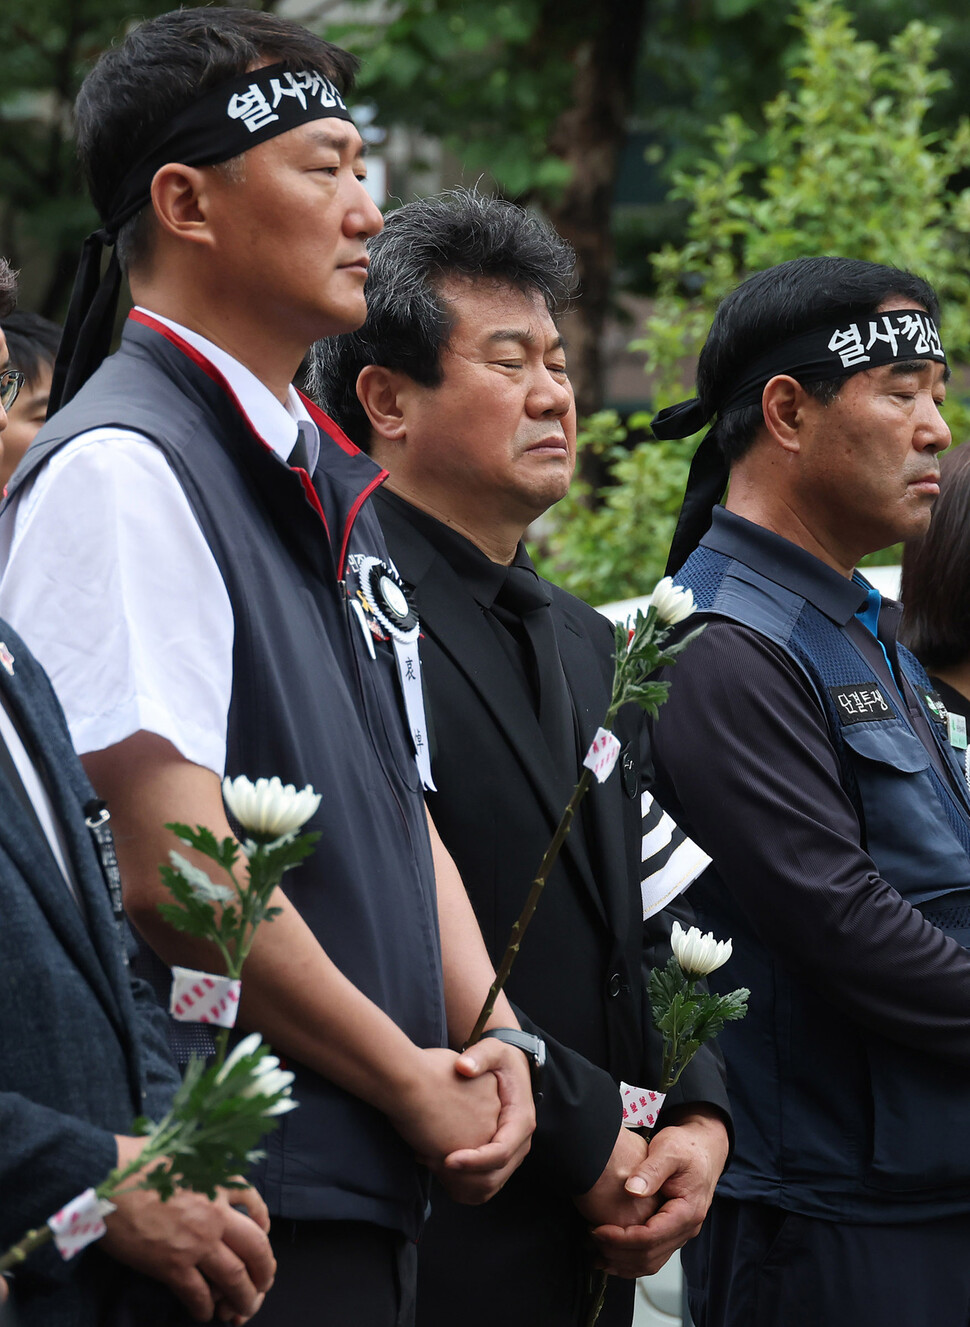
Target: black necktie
<point>299,456</point>
<point>522,605</point>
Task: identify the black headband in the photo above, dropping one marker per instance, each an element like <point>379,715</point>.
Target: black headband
<point>821,354</point>
<point>222,124</point>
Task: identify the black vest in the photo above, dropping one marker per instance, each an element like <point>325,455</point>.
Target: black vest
<point>311,705</point>
<point>832,1119</point>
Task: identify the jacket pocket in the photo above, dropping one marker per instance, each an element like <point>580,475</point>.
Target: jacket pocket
<point>905,829</point>
<point>920,1139</point>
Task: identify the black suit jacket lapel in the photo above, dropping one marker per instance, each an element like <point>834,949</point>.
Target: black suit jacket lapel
<point>583,667</point>
<point>454,620</point>
<point>91,939</point>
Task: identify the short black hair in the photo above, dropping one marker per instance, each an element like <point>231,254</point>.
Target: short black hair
<point>462,233</point>
<point>8,289</point>
<point>936,573</point>
<point>32,342</point>
<point>781,302</point>
<point>162,66</point>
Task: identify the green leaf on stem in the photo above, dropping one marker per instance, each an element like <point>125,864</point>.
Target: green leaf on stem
<point>716,1010</point>
<point>664,983</point>
<point>209,1136</point>
<point>285,853</point>
<point>225,852</point>
<point>188,912</point>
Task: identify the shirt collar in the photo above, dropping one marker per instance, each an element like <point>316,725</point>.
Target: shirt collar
<point>277,424</point>
<point>482,577</point>
<point>785,563</point>
<point>868,614</point>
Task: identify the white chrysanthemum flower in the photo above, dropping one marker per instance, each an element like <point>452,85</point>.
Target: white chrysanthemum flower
<point>267,1079</point>
<point>268,809</point>
<point>248,1046</point>
<point>698,954</point>
<point>672,602</point>
<point>202,887</point>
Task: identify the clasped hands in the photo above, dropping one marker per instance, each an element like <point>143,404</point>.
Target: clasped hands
<point>652,1197</point>
<point>468,1117</point>
<point>215,1256</point>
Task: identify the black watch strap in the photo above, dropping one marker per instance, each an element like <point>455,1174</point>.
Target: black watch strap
<point>533,1046</point>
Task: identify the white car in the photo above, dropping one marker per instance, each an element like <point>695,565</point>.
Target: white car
<point>885,579</point>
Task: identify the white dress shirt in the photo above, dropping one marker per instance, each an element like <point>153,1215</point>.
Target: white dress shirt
<point>105,573</point>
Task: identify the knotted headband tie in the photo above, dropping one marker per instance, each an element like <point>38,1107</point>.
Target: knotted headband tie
<point>838,350</point>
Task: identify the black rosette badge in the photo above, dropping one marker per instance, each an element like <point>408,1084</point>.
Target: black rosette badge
<point>388,599</point>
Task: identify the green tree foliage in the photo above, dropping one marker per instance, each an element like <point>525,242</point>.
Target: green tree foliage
<point>48,46</point>
<point>47,49</point>
<point>535,94</point>
<point>617,548</point>
<point>845,165</point>
<point>482,77</point>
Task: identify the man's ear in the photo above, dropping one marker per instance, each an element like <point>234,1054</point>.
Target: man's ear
<point>782,404</point>
<point>379,392</point>
<point>181,198</point>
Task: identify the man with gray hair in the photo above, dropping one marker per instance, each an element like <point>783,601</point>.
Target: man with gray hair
<point>456,384</point>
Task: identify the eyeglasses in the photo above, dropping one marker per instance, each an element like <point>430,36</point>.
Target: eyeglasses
<point>11,381</point>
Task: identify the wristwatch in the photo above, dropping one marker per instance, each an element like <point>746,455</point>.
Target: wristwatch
<point>533,1046</point>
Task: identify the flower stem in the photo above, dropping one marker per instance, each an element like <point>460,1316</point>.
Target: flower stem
<point>535,893</point>
<point>108,1188</point>
<point>599,1295</point>
<point>222,1045</point>
<point>19,1252</point>
<point>666,1083</point>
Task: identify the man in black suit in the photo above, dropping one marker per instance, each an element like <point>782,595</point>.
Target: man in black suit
<point>83,1048</point>
<point>457,385</point>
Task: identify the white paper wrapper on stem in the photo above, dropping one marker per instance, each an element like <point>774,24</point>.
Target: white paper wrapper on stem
<point>641,1106</point>
<point>602,754</point>
<point>202,997</point>
<point>79,1223</point>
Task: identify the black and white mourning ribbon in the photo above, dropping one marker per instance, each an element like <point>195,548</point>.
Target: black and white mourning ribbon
<point>223,123</point>
<point>854,343</point>
<point>670,860</point>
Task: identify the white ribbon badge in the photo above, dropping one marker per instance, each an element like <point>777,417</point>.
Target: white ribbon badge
<point>79,1223</point>
<point>640,1106</point>
<point>409,671</point>
<point>202,997</point>
<point>602,754</point>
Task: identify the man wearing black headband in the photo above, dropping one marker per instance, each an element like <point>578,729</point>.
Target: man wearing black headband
<point>192,550</point>
<point>804,750</point>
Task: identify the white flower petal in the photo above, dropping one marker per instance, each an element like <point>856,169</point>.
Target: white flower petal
<point>281,1107</point>
<point>267,808</point>
<point>248,1046</point>
<point>698,954</point>
<point>672,602</point>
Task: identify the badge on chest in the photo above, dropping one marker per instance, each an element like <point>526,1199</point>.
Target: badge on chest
<point>380,603</point>
<point>861,702</point>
